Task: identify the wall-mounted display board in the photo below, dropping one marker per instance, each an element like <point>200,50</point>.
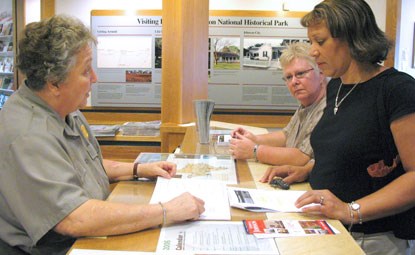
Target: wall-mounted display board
<point>244,50</point>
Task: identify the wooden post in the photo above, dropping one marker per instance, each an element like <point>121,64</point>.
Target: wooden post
<point>47,8</point>
<point>184,65</point>
<point>19,21</point>
<point>393,13</point>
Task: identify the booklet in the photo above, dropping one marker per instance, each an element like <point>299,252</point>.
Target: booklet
<point>220,137</point>
<point>288,228</point>
<point>146,128</point>
<point>212,237</point>
<point>197,166</point>
<point>257,200</point>
<point>213,193</point>
<point>104,130</point>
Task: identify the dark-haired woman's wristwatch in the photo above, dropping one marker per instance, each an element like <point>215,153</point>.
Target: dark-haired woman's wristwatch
<point>356,207</point>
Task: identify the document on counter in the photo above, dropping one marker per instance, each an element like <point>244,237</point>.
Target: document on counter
<point>257,200</point>
<point>212,237</point>
<point>288,228</point>
<point>213,193</point>
<point>197,166</point>
<point>220,137</point>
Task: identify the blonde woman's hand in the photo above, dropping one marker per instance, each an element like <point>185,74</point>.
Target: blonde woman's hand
<point>289,173</point>
<point>241,147</point>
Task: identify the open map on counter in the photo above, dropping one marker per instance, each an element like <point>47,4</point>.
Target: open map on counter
<point>197,166</point>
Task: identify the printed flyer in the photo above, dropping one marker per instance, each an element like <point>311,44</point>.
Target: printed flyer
<point>287,228</point>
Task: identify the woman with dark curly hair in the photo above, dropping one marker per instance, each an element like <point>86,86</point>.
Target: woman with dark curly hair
<point>364,144</point>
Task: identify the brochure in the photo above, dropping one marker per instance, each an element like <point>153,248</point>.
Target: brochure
<point>147,128</point>
<point>197,166</point>
<point>257,200</point>
<point>213,193</point>
<point>220,137</point>
<point>104,130</point>
<point>288,228</point>
<point>212,237</point>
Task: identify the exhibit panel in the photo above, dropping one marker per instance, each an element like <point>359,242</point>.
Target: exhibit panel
<point>243,68</point>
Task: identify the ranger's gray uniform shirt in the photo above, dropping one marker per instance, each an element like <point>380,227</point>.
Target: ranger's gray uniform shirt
<point>48,168</point>
<point>298,130</point>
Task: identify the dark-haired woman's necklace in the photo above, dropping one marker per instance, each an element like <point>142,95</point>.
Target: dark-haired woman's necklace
<point>337,105</point>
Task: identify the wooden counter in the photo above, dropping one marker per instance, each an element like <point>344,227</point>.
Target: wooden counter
<point>248,173</point>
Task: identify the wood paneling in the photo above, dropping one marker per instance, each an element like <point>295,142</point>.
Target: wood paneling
<point>124,12</point>
<point>47,8</point>
<point>119,116</point>
<point>184,65</point>
<point>19,21</point>
<point>126,153</point>
<point>171,137</point>
<point>184,58</point>
<point>393,12</point>
<point>266,121</point>
<point>247,13</point>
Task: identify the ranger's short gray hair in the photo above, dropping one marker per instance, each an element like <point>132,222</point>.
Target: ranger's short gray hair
<point>48,49</point>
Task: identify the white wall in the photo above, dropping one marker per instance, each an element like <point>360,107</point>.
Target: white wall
<point>32,11</point>
<point>405,41</point>
<point>82,8</point>
<point>6,6</point>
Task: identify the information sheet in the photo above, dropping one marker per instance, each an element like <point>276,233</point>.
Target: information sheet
<point>207,237</point>
<point>213,193</point>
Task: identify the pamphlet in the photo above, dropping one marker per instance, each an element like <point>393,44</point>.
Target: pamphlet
<point>288,228</point>
<point>257,200</point>
<point>148,157</point>
<point>146,128</point>
<point>213,193</point>
<point>212,237</point>
<point>197,166</point>
<point>104,130</point>
<point>220,137</point>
